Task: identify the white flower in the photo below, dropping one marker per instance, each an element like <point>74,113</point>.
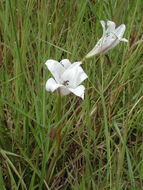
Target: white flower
<point>110,38</point>
<point>67,77</point>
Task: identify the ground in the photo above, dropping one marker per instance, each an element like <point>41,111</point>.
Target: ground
<point>95,143</point>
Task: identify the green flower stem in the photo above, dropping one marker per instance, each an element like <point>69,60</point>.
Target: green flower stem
<point>59,111</point>
<point>58,142</point>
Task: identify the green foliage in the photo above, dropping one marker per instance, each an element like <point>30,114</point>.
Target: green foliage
<point>102,144</point>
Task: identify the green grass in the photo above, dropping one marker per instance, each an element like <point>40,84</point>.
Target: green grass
<point>102,142</point>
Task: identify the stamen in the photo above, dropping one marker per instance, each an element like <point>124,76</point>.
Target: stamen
<point>66,83</point>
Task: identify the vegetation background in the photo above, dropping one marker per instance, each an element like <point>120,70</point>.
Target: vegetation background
<point>102,141</point>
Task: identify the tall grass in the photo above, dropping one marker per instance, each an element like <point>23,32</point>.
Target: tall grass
<point>102,142</point>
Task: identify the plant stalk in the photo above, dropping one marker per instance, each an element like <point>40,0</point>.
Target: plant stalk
<point>58,142</point>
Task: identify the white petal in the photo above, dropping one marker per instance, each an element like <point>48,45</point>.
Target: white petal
<point>123,40</point>
<point>52,85</point>
<point>55,68</point>
<point>81,76</point>
<point>110,26</point>
<point>94,51</point>
<point>74,75</point>
<point>79,91</point>
<point>120,31</point>
<point>66,63</point>
<point>64,91</point>
<point>110,43</point>
<point>103,26</point>
<point>103,45</point>
<point>110,38</point>
<point>75,64</point>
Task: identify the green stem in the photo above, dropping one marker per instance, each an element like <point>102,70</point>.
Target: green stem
<point>107,138</point>
<point>59,111</point>
<point>58,142</point>
<point>106,130</point>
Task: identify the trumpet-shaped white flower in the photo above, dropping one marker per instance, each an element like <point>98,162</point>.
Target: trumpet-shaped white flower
<point>110,38</point>
<point>67,77</point>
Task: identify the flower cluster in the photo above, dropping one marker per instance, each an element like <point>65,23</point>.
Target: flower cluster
<point>68,77</point>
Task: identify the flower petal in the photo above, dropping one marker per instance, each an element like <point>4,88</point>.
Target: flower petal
<point>66,63</point>
<point>64,91</point>
<point>110,38</point>
<point>75,64</point>
<point>103,45</point>
<point>52,85</point>
<point>109,43</point>
<point>119,31</point>
<point>103,26</point>
<point>79,91</point>
<point>55,68</point>
<point>74,75</point>
<point>123,40</point>
<point>110,26</point>
<point>94,51</point>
